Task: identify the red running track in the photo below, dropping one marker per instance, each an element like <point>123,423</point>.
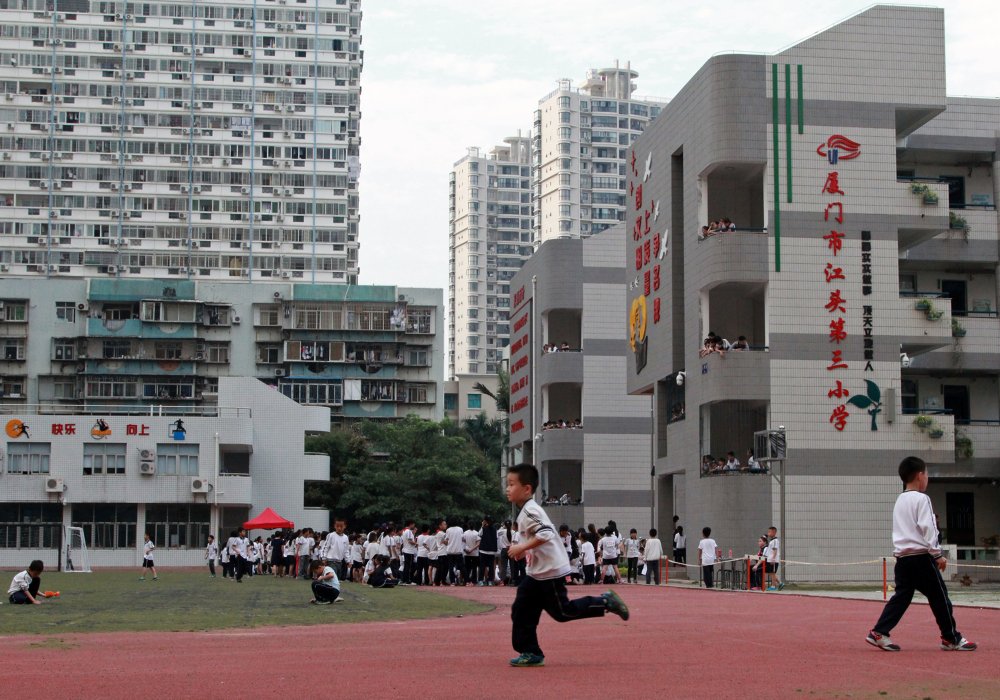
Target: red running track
<point>684,643</point>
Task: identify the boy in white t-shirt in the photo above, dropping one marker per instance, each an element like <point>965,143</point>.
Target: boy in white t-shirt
<point>632,556</point>
<point>707,549</point>
<point>147,557</point>
<point>325,585</point>
<point>608,546</point>
<point>211,552</point>
<point>773,555</point>
<point>589,558</point>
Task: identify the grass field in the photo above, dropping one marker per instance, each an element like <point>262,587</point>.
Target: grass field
<point>116,601</point>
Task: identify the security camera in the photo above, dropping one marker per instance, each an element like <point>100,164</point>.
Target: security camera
<point>781,427</point>
<point>681,376</point>
<point>904,360</point>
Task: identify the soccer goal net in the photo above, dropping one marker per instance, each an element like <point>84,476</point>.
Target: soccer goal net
<point>77,556</point>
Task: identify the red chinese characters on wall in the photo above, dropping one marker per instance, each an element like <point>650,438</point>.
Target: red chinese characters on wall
<point>833,273</point>
<point>650,244</point>
<point>520,361</point>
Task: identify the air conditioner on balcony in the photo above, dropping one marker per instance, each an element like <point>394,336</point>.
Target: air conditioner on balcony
<point>279,372</point>
<point>147,468</point>
<point>147,455</point>
<point>53,485</point>
<point>199,485</point>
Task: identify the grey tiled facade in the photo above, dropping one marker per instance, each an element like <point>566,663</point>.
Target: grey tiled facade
<point>849,175</point>
<point>570,292</point>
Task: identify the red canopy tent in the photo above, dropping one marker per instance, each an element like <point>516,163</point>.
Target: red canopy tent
<point>268,520</point>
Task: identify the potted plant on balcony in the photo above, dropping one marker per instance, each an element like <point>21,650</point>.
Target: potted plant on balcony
<point>963,446</point>
<point>923,422</point>
<point>957,223</point>
<point>935,433</point>
<point>957,329</point>
<point>922,304</point>
<point>927,195</point>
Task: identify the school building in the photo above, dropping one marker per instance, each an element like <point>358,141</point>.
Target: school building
<point>176,472</point>
<point>862,271</point>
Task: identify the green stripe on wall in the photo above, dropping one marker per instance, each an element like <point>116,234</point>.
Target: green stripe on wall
<point>788,131</point>
<point>802,123</point>
<point>775,168</point>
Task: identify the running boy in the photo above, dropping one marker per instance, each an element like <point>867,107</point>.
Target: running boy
<point>24,586</point>
<point>544,586</point>
<point>147,557</point>
<point>919,563</point>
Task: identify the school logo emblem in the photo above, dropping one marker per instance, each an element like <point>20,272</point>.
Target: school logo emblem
<point>100,430</point>
<point>15,429</point>
<point>872,401</point>
<point>637,332</point>
<point>838,148</point>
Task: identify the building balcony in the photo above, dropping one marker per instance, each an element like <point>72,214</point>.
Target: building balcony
<point>564,367</point>
<point>970,242</point>
<point>924,211</point>
<point>920,329</point>
<point>714,258</point>
<point>232,490</point>
<point>719,377</point>
<point>560,444</point>
<point>978,350</point>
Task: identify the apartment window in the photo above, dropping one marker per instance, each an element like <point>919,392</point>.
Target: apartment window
<point>565,132</point>
<point>28,458</point>
<point>66,311</point>
<point>103,458</point>
<point>473,286</point>
<point>269,315</point>
<point>564,102</point>
<point>564,117</point>
<point>565,179</point>
<point>217,352</point>
<point>474,368</point>
<point>63,349</point>
<point>565,209</point>
<point>167,351</point>
<point>12,348</point>
<point>451,402</point>
<point>565,148</point>
<point>268,354</point>
<point>417,358</point>
<point>14,311</point>
<point>314,393</point>
<point>172,459</point>
<point>116,349</point>
<point>474,401</point>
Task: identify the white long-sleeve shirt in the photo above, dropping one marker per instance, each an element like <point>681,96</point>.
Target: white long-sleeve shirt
<point>337,547</point>
<point>914,529</point>
<point>653,550</point>
<point>548,560</point>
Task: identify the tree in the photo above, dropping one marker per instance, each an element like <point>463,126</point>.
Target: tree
<point>488,435</point>
<point>502,394</point>
<point>412,468</point>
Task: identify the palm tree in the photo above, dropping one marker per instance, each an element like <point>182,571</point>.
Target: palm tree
<point>502,394</point>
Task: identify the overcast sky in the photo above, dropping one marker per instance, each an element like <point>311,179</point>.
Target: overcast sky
<point>442,75</point>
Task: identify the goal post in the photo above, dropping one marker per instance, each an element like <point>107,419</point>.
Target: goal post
<point>77,557</point>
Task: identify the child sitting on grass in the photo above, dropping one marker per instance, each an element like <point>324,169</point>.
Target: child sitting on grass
<point>325,585</point>
<point>24,586</point>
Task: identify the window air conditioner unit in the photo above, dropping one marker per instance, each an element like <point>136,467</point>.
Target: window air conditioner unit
<point>236,320</point>
<point>277,295</point>
<point>82,308</point>
<point>147,468</point>
<point>199,485</point>
<point>147,455</point>
<point>53,485</point>
<point>279,372</point>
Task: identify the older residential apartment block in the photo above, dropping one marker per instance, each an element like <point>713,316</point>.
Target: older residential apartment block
<point>192,140</point>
